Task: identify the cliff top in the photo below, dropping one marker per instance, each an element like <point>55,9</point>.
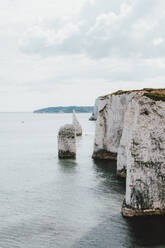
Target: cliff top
<point>155,94</point>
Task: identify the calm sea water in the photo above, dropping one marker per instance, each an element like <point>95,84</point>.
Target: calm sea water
<point>49,203</point>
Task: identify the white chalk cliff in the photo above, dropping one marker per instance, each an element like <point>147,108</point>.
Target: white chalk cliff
<point>95,110</point>
<point>109,125</point>
<point>131,125</point>
<point>77,125</point>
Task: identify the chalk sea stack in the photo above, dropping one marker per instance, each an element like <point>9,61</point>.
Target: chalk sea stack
<point>76,124</point>
<point>67,142</point>
<point>131,128</point>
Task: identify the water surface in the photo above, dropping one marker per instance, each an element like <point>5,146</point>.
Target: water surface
<point>47,203</point>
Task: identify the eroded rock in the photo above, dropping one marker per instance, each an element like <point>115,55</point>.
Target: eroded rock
<point>142,154</point>
<point>95,110</point>
<point>109,125</point>
<point>131,126</point>
<point>67,142</point>
<point>76,124</point>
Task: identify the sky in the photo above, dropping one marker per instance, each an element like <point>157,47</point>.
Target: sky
<point>68,52</point>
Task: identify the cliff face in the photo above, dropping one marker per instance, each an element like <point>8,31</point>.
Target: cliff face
<point>131,125</point>
<point>143,147</point>
<point>95,110</point>
<point>109,125</point>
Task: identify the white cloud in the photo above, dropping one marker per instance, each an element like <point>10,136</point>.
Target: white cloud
<point>158,41</point>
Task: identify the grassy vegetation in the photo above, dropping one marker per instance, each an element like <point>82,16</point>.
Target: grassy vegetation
<point>148,89</point>
<point>119,92</point>
<point>155,96</point>
<point>154,89</point>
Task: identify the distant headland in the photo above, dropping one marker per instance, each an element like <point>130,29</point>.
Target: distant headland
<point>68,109</point>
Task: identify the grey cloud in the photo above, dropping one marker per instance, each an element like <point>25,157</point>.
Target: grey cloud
<point>47,41</point>
<point>104,28</point>
<point>137,72</point>
<point>129,34</point>
<point>91,10</point>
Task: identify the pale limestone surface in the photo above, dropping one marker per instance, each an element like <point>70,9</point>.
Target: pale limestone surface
<point>95,110</point>
<point>109,125</point>
<point>77,125</point>
<point>128,125</point>
<point>67,142</point>
<point>142,152</point>
<point>132,126</point>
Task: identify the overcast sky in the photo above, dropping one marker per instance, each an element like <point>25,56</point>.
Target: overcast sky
<point>68,52</point>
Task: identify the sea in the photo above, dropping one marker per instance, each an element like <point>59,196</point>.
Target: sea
<point>50,203</point>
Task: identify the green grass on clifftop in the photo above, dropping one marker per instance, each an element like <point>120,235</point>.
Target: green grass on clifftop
<point>155,96</point>
<point>119,92</point>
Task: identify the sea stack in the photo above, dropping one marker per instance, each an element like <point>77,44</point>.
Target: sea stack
<point>67,142</point>
<point>76,124</point>
<point>131,128</point>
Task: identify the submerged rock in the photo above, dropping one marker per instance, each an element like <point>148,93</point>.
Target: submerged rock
<point>67,142</point>
<point>76,124</point>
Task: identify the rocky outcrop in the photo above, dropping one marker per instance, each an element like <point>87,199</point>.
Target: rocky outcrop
<point>67,142</point>
<point>131,125</point>
<point>95,110</point>
<point>142,153</point>
<point>157,97</point>
<point>109,125</point>
<point>76,124</point>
